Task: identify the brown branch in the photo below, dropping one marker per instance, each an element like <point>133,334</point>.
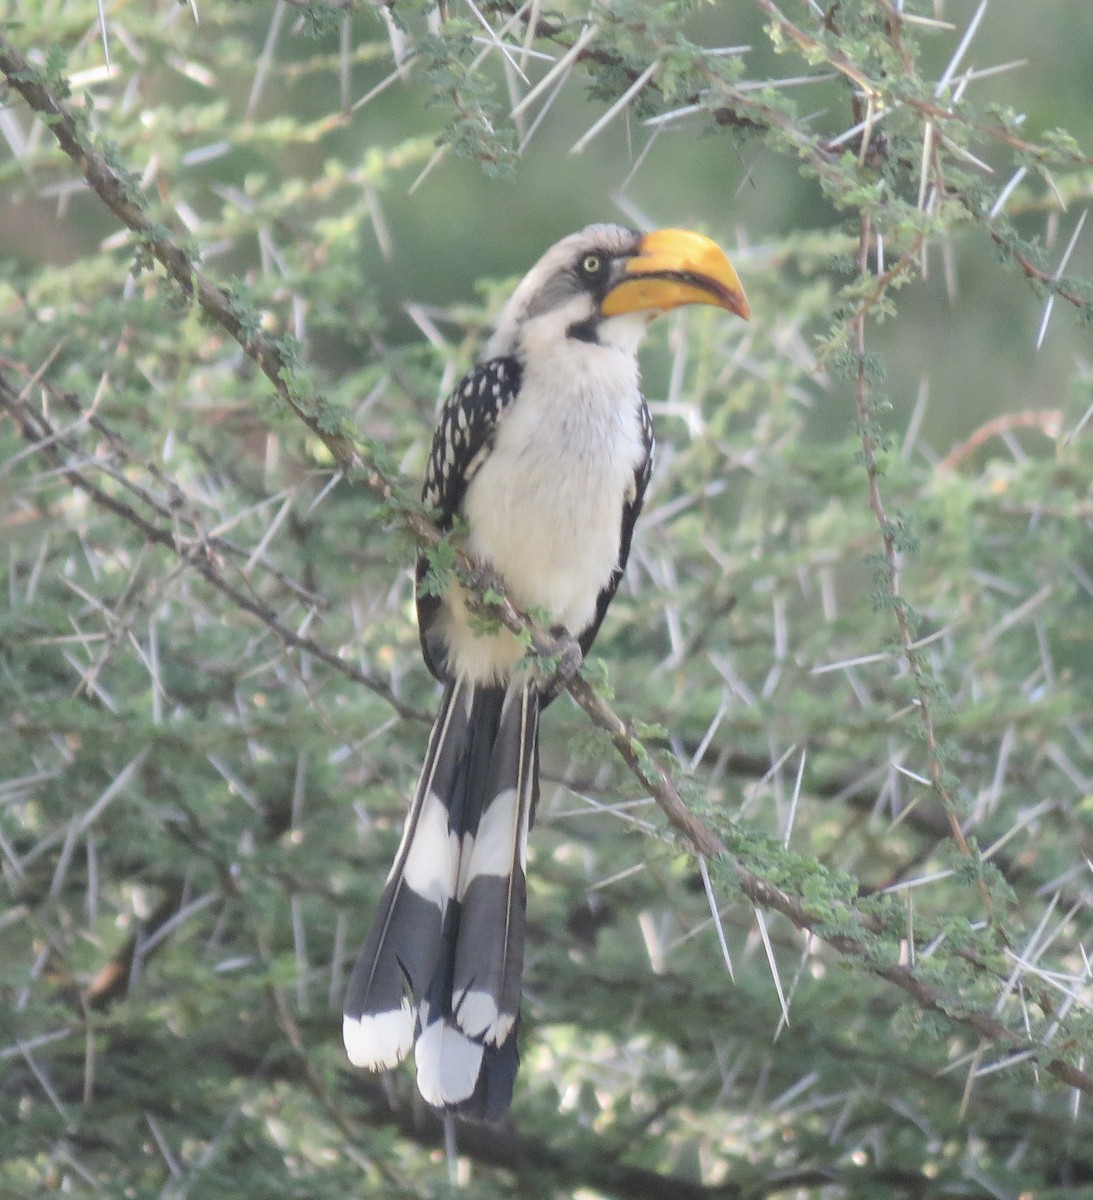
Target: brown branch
<point>810,47</point>
<point>1048,421</point>
<point>119,195</point>
<point>1036,273</point>
<point>38,431</point>
<point>892,566</point>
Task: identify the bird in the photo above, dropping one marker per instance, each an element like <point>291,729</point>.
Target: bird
<point>539,463</point>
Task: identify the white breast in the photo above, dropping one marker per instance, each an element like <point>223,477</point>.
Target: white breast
<point>546,508</point>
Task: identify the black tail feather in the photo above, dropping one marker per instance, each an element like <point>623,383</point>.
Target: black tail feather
<point>444,960</point>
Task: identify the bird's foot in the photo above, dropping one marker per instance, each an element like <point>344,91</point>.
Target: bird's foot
<point>485,583</point>
<point>566,656</point>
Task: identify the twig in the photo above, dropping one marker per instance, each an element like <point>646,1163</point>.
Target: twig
<point>892,566</point>
<point>38,431</point>
<point>1048,421</point>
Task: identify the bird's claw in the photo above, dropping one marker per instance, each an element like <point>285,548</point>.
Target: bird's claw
<point>483,580</point>
<point>567,656</point>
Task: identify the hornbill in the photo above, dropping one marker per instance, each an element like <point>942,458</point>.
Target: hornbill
<point>544,452</point>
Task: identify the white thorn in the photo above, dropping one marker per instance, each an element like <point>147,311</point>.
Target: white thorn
<point>716,916</point>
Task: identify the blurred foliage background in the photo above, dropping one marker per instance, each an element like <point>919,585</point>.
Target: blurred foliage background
<point>857,628</point>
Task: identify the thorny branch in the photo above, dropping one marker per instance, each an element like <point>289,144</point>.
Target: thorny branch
<point>749,109</point>
<point>892,565</point>
<point>203,553</point>
<point>121,197</point>
<point>1047,420</point>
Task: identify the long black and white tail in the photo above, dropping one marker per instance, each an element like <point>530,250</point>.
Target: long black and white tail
<point>443,962</point>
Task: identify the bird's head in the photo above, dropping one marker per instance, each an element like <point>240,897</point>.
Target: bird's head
<point>604,284</point>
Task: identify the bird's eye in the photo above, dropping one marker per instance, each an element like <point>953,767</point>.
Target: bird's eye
<point>590,264</point>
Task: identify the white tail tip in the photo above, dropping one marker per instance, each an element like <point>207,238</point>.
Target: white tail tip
<point>448,1063</point>
<point>380,1040</point>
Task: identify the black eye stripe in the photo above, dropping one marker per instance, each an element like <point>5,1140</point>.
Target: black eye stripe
<point>576,277</point>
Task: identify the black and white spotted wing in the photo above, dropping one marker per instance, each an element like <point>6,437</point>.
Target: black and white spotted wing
<point>461,444</point>
<point>464,434</point>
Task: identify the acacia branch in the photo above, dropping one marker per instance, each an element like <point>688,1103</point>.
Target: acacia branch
<point>198,554</point>
<point>892,567</point>
<point>1037,274</point>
